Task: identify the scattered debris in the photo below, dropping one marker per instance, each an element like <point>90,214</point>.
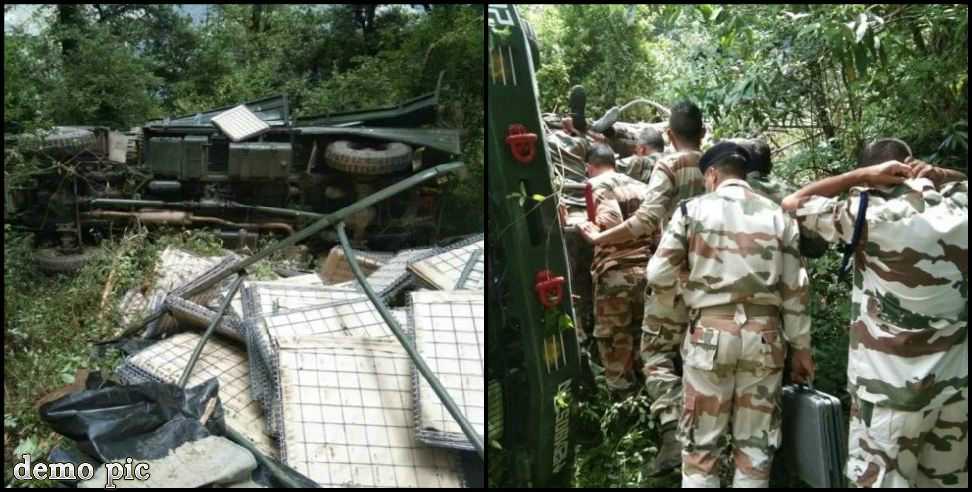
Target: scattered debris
<point>444,269</point>
<point>335,268</point>
<point>310,372</point>
<point>165,361</point>
<point>174,268</point>
<point>394,276</point>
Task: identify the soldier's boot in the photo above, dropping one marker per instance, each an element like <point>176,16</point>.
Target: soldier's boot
<point>669,457</point>
<point>577,101</point>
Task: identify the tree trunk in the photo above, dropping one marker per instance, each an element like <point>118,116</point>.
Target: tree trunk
<point>257,15</point>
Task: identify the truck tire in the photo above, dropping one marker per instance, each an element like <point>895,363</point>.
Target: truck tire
<point>369,159</point>
<point>54,261</point>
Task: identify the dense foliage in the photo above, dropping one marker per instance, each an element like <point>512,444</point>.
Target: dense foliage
<point>817,81</point>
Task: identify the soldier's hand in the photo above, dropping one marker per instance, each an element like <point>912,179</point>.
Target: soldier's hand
<point>886,174</point>
<point>589,231</point>
<point>803,367</point>
<point>922,169</point>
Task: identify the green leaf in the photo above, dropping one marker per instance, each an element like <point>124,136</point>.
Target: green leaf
<point>26,446</point>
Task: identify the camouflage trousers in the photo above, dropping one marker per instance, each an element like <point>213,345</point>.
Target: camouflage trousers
<point>618,306</point>
<point>926,449</point>
<point>732,385</point>
<point>661,335</point>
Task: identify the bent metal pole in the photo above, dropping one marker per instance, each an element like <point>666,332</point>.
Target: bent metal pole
<point>321,224</point>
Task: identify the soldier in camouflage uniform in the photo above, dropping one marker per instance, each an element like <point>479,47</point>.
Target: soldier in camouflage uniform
<point>618,271</point>
<point>676,177</point>
<point>744,277</point>
<point>649,148</point>
<point>908,362</point>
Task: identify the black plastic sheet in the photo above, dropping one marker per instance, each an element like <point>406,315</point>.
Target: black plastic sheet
<point>110,422</point>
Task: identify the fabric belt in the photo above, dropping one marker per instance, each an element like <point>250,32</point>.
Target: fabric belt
<point>752,310</point>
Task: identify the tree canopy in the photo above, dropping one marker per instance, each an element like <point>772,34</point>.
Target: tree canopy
<point>824,78</point>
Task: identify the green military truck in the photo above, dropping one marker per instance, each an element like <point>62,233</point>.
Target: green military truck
<point>532,357</point>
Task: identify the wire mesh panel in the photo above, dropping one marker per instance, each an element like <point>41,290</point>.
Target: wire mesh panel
<point>449,330</point>
<point>443,269</point>
<point>351,318</point>
<point>393,276</point>
<point>346,415</point>
<point>305,279</point>
<point>240,123</point>
<point>166,360</point>
<point>174,268</point>
<point>273,297</point>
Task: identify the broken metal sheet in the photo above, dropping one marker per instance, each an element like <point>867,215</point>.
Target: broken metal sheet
<point>345,409</point>
<point>444,269</point>
<point>352,318</point>
<point>166,360</point>
<point>449,330</point>
<point>412,113</point>
<point>274,297</point>
<point>240,123</point>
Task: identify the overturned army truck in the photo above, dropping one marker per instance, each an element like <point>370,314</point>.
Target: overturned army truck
<point>532,349</point>
<point>246,170</point>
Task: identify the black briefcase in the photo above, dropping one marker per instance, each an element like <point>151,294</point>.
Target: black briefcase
<point>814,437</point>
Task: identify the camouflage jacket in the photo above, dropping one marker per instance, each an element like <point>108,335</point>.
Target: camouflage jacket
<point>676,177</point>
<point>740,248</point>
<point>568,150</point>
<point>639,167</point>
<point>617,197</point>
<point>909,309</point>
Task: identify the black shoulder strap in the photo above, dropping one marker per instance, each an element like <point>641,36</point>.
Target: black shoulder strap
<point>684,208</point>
<point>859,224</point>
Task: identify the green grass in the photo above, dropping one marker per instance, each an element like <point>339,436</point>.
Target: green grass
<point>50,322</point>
